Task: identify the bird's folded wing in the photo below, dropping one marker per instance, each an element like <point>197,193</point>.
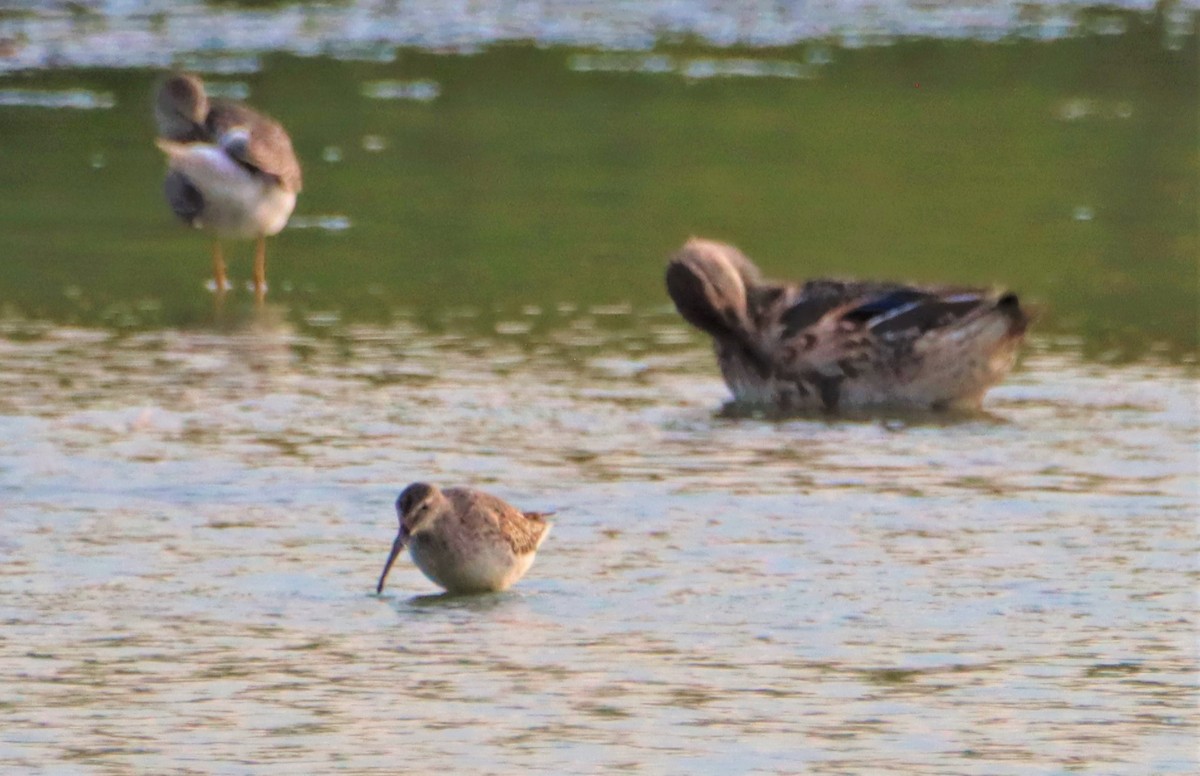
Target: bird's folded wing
<point>257,141</point>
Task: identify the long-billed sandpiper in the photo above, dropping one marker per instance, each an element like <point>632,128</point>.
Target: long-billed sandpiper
<point>231,169</point>
<point>838,344</point>
<point>465,540</point>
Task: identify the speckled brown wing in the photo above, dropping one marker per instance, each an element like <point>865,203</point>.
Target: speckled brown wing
<point>837,329</point>
<point>269,147</point>
<point>523,531</point>
<point>526,535</point>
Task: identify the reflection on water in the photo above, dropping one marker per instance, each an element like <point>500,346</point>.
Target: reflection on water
<point>1058,160</point>
<point>194,521</point>
<point>231,37</point>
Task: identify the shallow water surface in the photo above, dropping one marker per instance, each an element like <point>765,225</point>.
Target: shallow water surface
<point>196,495</point>
<point>195,520</point>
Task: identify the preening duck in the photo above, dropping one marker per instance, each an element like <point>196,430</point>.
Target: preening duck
<point>231,169</point>
<point>843,344</point>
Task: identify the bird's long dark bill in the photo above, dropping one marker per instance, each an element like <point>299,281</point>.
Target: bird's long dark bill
<point>397,548</point>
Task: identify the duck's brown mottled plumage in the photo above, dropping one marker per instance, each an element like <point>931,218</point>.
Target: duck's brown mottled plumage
<point>840,344</point>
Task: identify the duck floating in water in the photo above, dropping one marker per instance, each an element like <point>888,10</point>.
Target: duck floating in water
<point>840,344</point>
<point>465,540</point>
<point>231,169</point>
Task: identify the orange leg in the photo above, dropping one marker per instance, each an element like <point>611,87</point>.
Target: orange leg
<point>260,267</point>
<point>222,283</point>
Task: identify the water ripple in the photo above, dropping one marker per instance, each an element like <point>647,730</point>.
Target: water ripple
<point>194,520</point>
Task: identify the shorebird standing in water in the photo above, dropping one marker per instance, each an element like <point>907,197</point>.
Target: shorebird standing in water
<point>231,169</point>
<point>842,344</point>
<point>465,540</point>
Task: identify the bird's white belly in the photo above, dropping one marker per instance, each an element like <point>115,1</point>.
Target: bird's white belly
<point>237,202</point>
<point>480,568</point>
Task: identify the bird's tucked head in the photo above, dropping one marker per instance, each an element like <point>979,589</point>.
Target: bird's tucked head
<point>710,283</point>
<point>180,107</point>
